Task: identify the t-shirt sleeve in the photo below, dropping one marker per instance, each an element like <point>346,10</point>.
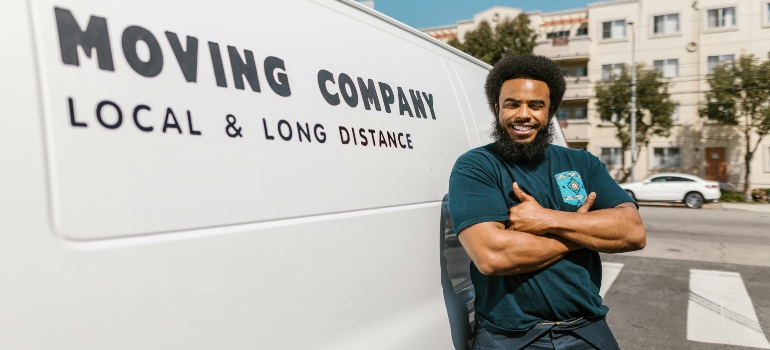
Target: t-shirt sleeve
<point>474,193</point>
<point>608,193</point>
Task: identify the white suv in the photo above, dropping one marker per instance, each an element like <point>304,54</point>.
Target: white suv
<point>690,189</point>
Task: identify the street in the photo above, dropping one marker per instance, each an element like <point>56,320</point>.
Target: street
<point>702,282</point>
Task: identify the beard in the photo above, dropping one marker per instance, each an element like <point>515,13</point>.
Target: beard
<point>520,152</point>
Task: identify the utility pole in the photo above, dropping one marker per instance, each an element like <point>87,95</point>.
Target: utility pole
<point>633,101</point>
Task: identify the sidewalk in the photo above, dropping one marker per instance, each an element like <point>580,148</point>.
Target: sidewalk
<point>755,207</point>
<point>762,208</point>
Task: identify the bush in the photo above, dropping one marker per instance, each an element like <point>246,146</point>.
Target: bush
<point>732,197</point>
<point>761,195</point>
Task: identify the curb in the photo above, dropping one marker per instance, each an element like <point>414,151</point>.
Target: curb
<point>759,208</point>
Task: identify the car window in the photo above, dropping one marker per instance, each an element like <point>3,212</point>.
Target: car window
<point>679,179</point>
<point>658,179</point>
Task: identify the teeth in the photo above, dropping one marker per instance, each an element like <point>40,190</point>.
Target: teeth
<point>523,127</point>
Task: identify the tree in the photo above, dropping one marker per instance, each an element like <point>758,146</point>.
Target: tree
<point>739,99</point>
<point>654,107</point>
<point>515,37</point>
<point>481,43</point>
<point>509,37</point>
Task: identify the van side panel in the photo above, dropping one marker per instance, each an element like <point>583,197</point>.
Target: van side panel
<point>261,119</point>
<point>116,236</point>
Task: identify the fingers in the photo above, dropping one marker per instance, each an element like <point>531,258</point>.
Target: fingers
<point>523,197</point>
<point>588,203</point>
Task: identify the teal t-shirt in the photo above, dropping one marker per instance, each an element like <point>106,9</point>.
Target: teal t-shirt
<point>480,190</point>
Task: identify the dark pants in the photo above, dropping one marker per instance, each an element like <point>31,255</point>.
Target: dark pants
<point>579,335</point>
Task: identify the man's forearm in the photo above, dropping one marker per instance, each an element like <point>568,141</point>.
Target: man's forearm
<point>614,230</point>
<point>531,253</point>
<point>497,251</point>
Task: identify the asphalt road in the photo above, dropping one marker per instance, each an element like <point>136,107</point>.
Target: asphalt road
<point>652,297</point>
<point>707,224</point>
<point>707,235</point>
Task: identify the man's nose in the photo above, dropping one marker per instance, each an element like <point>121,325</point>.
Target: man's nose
<point>524,113</point>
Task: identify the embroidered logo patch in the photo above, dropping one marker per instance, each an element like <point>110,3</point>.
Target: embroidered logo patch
<point>571,186</point>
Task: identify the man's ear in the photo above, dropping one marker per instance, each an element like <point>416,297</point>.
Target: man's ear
<point>497,109</point>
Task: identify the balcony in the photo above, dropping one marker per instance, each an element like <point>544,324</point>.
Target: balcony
<point>576,130</point>
<point>564,41</point>
<point>578,88</point>
<point>565,48</point>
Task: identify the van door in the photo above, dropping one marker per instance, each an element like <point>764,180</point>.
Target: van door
<point>222,175</point>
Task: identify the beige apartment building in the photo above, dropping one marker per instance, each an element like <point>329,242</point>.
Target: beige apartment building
<point>685,39</point>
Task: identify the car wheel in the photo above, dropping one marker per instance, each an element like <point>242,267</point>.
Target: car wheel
<point>631,194</point>
<point>693,200</point>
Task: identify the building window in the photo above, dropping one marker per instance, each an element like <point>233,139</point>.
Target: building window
<point>666,157</point>
<point>583,30</point>
<point>721,18</point>
<point>666,24</point>
<point>609,70</point>
<point>577,72</point>
<point>714,61</point>
<point>612,157</point>
<point>767,12</point>
<point>669,68</point>
<point>675,115</point>
<point>572,114</point>
<point>614,29</point>
<point>581,113</point>
<point>562,114</point>
<point>560,34</point>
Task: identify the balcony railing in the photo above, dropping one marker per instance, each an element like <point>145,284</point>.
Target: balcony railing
<point>563,48</point>
<point>571,79</point>
<point>562,41</point>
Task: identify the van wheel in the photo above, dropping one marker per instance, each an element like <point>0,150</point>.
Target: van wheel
<point>631,194</point>
<point>693,200</point>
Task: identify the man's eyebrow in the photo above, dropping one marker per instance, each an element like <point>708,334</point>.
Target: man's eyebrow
<point>537,100</point>
<point>511,99</point>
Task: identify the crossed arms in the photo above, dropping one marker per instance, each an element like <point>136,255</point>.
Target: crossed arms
<point>536,237</point>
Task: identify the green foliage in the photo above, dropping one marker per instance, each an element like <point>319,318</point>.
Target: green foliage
<point>732,197</point>
<point>509,37</point>
<point>653,102</point>
<point>515,37</point>
<point>761,195</point>
<point>455,43</point>
<point>739,98</point>
<point>481,43</point>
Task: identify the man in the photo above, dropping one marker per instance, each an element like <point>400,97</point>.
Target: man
<point>521,209</point>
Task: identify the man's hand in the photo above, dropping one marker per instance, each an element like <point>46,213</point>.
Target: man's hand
<point>588,203</point>
<point>531,217</point>
<point>610,230</point>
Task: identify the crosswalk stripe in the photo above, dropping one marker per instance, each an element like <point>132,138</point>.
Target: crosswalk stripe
<point>720,311</point>
<point>610,272</point>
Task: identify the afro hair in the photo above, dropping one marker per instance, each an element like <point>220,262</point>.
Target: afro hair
<point>526,66</point>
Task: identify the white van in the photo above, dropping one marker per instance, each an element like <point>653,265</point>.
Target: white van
<point>228,175</point>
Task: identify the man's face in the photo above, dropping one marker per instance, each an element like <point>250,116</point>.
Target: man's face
<point>523,108</point>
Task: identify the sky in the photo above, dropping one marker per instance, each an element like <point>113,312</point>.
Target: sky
<point>431,13</point>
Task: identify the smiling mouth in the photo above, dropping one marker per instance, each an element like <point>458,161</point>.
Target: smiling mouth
<point>524,128</point>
